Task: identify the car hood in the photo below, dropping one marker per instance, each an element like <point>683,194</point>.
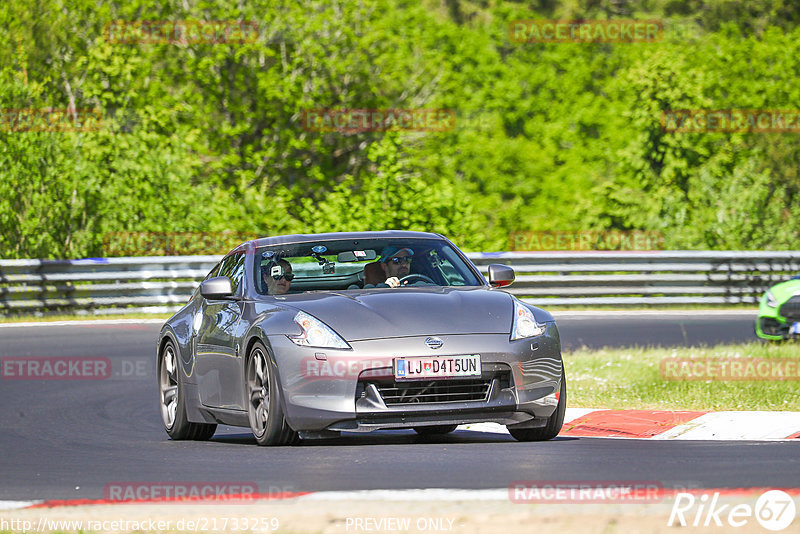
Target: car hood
<point>785,290</point>
<point>381,313</point>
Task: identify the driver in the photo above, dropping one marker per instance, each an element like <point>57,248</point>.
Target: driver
<point>396,263</point>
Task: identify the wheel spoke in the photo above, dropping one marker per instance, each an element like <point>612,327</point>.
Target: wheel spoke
<point>260,418</point>
<point>171,410</point>
<point>169,362</point>
<point>170,394</point>
<point>259,360</point>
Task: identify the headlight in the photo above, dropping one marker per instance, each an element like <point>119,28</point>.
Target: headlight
<point>524,324</point>
<point>769,299</point>
<point>315,333</point>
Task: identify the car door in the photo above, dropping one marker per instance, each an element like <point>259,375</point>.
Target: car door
<point>218,357</point>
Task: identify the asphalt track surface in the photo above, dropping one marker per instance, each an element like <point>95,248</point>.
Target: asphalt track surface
<point>71,439</point>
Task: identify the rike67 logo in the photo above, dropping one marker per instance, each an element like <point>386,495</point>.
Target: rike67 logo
<point>774,510</point>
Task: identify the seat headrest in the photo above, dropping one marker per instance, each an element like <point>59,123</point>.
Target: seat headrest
<point>373,273</point>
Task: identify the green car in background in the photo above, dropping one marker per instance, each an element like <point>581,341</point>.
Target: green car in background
<point>779,311</point>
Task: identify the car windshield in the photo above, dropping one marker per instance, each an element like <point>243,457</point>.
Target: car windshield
<point>356,264</point>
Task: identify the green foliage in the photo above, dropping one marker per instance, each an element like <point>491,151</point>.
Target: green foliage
<point>553,136</point>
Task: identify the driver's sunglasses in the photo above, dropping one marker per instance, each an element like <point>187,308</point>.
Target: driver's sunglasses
<point>289,277</point>
<point>401,259</point>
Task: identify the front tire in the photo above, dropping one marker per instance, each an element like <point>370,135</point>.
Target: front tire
<point>173,400</point>
<point>265,401</point>
<point>554,422</point>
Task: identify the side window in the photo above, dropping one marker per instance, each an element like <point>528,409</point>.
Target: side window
<point>233,268</point>
<point>443,261</point>
<point>213,272</point>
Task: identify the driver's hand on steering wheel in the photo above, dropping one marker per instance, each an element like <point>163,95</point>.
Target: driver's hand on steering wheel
<point>392,281</point>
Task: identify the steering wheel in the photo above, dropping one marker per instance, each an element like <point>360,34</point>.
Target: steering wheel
<point>415,276</point>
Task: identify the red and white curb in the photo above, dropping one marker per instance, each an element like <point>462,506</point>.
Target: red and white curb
<point>661,425</point>
<point>16,505</point>
<point>403,495</point>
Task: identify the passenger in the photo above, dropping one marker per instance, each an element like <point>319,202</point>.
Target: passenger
<point>277,276</point>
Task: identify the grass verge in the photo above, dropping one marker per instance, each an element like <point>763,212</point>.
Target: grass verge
<point>652,308</point>
<point>635,378</point>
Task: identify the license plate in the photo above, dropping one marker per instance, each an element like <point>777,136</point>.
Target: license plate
<point>795,329</point>
<point>422,368</point>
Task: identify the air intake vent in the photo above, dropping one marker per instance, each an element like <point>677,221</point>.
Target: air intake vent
<point>437,391</point>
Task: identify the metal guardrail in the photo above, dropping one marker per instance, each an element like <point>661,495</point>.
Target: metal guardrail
<point>101,285</point>
<point>644,278</point>
<point>163,284</point>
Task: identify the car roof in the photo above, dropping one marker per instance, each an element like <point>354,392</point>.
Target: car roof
<point>332,236</point>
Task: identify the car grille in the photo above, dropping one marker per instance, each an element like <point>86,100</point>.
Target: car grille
<point>436,391</point>
<point>791,309</point>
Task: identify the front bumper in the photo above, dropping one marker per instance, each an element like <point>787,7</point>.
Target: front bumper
<point>775,323</point>
<point>329,389</point>
<point>771,328</point>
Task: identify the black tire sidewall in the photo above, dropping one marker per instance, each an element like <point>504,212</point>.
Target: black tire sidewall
<point>275,421</point>
<point>554,422</point>
<point>181,427</point>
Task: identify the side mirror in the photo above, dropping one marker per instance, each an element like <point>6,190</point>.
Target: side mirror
<point>216,288</point>
<point>500,275</point>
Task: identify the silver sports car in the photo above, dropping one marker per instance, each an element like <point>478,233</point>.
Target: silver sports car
<point>306,336</point>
